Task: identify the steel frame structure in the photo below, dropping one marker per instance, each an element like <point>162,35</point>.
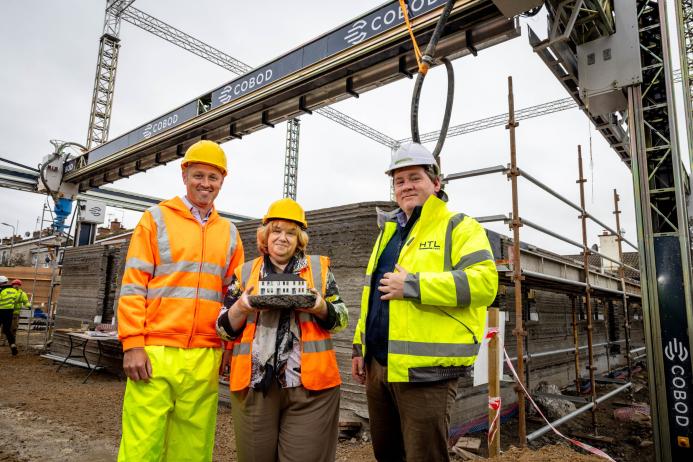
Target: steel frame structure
<point>684,16</point>
<point>104,80</point>
<point>660,188</point>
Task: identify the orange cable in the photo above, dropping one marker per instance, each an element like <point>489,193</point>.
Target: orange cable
<point>423,67</point>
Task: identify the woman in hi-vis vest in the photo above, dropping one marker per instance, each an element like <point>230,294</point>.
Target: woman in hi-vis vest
<point>284,375</point>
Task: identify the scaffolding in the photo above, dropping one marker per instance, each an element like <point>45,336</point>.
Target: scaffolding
<point>521,279</point>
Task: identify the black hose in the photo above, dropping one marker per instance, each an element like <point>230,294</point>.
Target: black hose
<point>448,109</point>
<point>418,85</point>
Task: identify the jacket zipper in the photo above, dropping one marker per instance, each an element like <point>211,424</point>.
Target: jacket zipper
<point>380,238</point>
<point>197,289</point>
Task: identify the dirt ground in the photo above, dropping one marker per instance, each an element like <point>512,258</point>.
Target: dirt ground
<point>51,416</point>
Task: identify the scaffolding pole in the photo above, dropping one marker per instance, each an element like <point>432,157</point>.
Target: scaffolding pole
<point>622,276</point>
<point>515,225</point>
<point>588,301</point>
<point>576,342</point>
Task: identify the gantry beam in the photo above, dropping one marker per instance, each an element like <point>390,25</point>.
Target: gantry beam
<point>189,43</point>
<point>349,60</point>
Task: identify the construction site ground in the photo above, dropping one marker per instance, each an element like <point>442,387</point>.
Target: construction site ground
<point>52,416</point>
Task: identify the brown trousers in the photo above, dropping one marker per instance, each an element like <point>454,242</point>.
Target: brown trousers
<point>286,424</point>
<point>409,421</point>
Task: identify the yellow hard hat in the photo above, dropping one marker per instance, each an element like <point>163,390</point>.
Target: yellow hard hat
<point>286,209</point>
<point>205,152</point>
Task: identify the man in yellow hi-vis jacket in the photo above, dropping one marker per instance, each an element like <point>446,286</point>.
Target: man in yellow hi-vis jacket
<point>429,280</point>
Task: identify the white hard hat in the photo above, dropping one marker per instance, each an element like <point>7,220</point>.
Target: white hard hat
<point>4,280</point>
<point>411,154</point>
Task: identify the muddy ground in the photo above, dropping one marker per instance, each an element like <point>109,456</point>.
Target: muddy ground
<point>51,416</point>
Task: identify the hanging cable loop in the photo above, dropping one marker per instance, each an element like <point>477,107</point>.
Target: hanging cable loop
<point>425,60</point>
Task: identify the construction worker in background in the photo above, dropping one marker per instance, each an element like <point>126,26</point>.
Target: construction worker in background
<point>22,302</point>
<point>284,374</point>
<point>8,301</point>
<point>181,259</point>
<point>430,279</point>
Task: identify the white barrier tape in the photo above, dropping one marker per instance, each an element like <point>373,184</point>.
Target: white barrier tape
<point>591,449</point>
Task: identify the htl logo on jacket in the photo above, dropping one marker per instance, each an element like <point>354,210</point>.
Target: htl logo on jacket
<point>429,245</point>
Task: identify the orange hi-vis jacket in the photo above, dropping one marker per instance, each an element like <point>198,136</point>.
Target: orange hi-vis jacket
<point>176,273</point>
<point>319,369</point>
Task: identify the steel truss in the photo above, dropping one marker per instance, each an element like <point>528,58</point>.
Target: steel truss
<point>293,128</point>
<point>104,80</point>
<point>684,16</point>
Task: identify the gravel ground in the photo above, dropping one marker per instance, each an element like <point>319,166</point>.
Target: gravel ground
<point>51,416</point>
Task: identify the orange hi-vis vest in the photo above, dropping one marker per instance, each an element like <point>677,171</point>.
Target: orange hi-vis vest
<point>175,276</point>
<point>319,369</point>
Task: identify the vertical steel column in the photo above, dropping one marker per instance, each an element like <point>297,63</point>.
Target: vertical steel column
<point>515,224</point>
<point>648,278</point>
<point>293,128</point>
<point>576,342</point>
<point>622,276</point>
<point>588,289</point>
<point>660,188</point>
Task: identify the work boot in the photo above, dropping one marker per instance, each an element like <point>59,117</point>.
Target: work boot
<point>15,351</point>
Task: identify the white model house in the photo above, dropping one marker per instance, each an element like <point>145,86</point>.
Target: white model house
<point>283,284</point>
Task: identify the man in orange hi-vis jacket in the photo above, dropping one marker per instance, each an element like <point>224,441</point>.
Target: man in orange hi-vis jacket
<point>181,259</point>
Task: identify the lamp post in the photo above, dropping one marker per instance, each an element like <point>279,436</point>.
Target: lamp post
<point>11,242</point>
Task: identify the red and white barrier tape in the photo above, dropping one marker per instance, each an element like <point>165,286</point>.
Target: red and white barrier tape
<point>495,404</point>
<point>591,449</point>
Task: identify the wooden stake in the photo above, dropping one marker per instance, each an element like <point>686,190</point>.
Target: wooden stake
<point>493,383</point>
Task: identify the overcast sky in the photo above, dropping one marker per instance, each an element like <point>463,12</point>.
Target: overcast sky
<point>48,52</point>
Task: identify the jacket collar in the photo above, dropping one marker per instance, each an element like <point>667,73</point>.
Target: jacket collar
<point>178,206</point>
<point>432,207</point>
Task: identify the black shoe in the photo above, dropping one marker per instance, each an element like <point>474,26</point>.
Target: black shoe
<point>15,351</point>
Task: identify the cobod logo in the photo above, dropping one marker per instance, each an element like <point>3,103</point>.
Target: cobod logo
<point>159,125</point>
<point>229,92</point>
<point>677,350</point>
<point>362,28</point>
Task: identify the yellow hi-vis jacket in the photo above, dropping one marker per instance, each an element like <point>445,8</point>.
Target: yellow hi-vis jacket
<point>22,301</point>
<point>8,299</point>
<point>452,279</point>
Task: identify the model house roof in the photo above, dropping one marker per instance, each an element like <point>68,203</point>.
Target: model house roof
<point>282,277</point>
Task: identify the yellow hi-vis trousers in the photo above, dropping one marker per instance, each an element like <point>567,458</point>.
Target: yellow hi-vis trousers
<point>173,417</point>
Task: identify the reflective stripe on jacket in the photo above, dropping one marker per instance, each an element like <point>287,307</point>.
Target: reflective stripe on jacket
<point>175,276</point>
<point>319,368</point>
<point>452,279</point>
<point>8,298</point>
